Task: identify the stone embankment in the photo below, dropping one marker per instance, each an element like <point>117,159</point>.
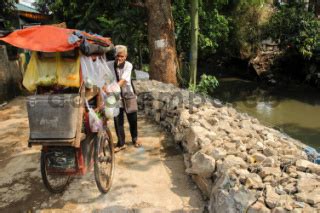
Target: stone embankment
<point>239,164</point>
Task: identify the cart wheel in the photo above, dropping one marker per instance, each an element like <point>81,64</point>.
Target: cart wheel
<point>55,183</point>
<point>104,161</point>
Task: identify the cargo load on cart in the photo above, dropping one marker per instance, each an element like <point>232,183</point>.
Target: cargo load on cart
<point>63,62</point>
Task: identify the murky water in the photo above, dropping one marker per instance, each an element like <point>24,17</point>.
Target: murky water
<point>294,110</point>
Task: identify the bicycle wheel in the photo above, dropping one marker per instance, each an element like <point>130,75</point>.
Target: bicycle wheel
<point>54,182</point>
<point>104,161</point>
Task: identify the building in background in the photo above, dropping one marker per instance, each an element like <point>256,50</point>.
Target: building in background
<point>29,16</point>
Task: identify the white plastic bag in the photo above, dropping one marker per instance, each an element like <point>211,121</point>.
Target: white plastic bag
<point>96,71</point>
<point>95,122</point>
<point>113,97</point>
<point>110,100</point>
<point>108,112</point>
<point>111,103</point>
<point>111,112</point>
<point>113,87</point>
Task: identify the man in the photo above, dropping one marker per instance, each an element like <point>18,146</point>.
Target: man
<point>122,72</point>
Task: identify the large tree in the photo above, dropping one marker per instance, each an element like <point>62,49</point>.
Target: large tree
<point>162,45</point>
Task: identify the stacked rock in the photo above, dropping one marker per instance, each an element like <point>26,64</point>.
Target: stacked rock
<point>238,163</point>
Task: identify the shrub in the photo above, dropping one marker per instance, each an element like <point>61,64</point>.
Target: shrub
<point>294,28</point>
<point>206,85</point>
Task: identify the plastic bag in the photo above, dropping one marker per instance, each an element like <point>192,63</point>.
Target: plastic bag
<point>31,75</point>
<point>108,112</point>
<point>68,72</point>
<point>108,76</point>
<point>111,103</point>
<point>95,122</point>
<point>97,72</point>
<point>47,71</point>
<point>113,98</point>
<point>114,88</point>
<point>111,112</point>
<point>40,72</point>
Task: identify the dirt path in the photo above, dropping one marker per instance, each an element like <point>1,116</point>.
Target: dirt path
<point>147,179</point>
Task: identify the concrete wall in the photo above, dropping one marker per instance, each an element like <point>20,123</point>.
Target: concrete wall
<point>10,76</point>
<point>239,164</point>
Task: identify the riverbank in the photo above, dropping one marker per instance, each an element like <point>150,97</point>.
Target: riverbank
<point>237,162</point>
<point>292,109</point>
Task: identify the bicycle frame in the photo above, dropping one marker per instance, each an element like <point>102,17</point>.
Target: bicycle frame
<point>83,157</point>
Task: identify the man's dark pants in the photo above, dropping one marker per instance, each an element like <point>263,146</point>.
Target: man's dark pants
<point>119,125</point>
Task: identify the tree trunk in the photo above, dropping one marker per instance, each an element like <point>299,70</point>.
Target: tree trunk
<point>317,8</point>
<point>140,56</point>
<point>194,41</point>
<point>162,46</point>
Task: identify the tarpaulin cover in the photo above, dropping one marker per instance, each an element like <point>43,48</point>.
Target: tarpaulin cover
<point>47,38</point>
<point>41,38</point>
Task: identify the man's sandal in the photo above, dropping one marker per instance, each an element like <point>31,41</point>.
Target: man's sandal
<point>137,144</point>
<point>119,148</point>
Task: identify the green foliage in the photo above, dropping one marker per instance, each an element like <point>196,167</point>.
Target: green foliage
<point>192,87</point>
<point>145,67</point>
<point>43,6</point>
<point>115,19</point>
<point>8,12</point>
<point>128,27</point>
<point>206,85</point>
<point>213,30</point>
<point>232,28</point>
<point>295,28</point>
<point>246,18</point>
<point>181,15</point>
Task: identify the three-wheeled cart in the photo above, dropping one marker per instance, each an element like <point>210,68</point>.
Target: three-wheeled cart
<point>58,117</point>
<point>59,123</point>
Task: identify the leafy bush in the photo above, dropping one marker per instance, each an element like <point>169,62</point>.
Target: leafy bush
<point>246,20</point>
<point>206,85</point>
<point>296,28</point>
<point>9,14</point>
<point>145,67</point>
<point>213,30</point>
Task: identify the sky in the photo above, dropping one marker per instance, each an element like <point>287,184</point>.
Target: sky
<point>27,2</point>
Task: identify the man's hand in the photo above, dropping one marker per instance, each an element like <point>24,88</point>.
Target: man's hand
<point>105,90</point>
<point>122,82</point>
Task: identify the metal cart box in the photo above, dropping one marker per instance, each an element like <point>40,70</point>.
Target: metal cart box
<point>53,116</point>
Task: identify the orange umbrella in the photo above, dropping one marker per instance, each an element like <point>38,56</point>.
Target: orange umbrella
<point>42,38</point>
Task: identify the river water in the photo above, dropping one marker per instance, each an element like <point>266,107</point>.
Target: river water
<point>294,110</point>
